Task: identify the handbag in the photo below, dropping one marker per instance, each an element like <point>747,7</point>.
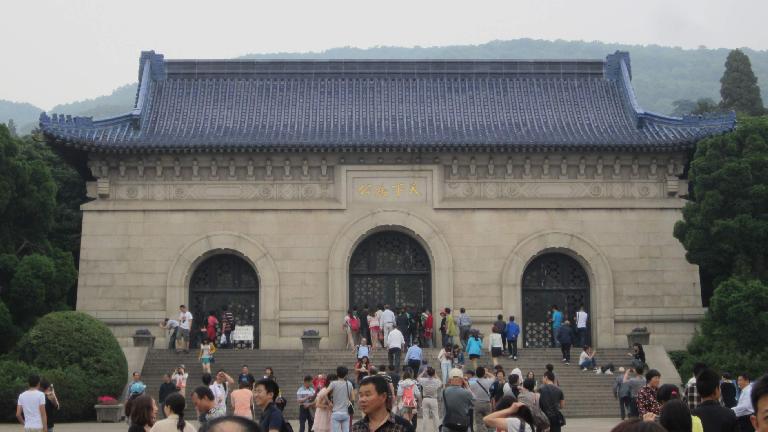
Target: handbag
<point>351,406</point>
<point>560,418</point>
<point>454,426</point>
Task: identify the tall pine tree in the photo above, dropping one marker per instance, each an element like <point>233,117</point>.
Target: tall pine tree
<point>738,86</point>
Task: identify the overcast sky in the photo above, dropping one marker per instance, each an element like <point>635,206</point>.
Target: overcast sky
<point>58,51</point>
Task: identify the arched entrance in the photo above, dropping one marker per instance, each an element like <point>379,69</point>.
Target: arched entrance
<point>551,279</point>
<point>390,267</point>
<point>226,280</point>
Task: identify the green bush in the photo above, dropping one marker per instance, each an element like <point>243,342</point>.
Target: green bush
<point>80,353</point>
<point>73,388</point>
<point>13,375</point>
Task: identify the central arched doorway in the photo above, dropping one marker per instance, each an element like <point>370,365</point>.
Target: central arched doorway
<point>551,279</point>
<point>225,280</point>
<point>390,267</point>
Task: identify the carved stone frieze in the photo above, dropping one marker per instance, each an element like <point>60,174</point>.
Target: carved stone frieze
<point>282,191</point>
<point>500,190</point>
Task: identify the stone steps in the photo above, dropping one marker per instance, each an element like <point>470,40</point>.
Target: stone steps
<point>587,394</point>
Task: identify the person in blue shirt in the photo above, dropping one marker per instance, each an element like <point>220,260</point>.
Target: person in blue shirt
<point>474,347</point>
<point>413,357</point>
<point>557,321</point>
<point>512,332</point>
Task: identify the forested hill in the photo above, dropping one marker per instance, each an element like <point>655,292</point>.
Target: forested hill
<point>661,75</point>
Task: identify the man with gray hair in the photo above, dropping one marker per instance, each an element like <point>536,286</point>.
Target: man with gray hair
<point>457,401</point>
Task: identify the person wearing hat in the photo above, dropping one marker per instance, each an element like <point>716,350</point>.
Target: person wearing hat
<point>458,401</point>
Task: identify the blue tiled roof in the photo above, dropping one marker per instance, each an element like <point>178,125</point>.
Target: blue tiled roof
<point>201,105</point>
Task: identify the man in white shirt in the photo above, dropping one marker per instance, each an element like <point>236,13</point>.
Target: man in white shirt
<point>387,321</point>
<point>219,390</point>
<point>395,344</point>
<point>30,409</point>
<point>581,327</point>
<point>185,323</point>
<point>743,408</point>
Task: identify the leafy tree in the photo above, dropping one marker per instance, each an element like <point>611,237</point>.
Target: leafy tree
<point>725,226</point>
<point>724,230</point>
<point>738,86</point>
<point>705,106</point>
<point>700,106</point>
<point>39,233</point>
<point>12,128</point>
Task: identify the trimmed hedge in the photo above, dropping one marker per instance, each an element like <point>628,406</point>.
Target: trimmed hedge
<point>77,353</point>
<point>13,375</point>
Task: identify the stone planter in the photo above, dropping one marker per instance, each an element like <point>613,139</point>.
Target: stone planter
<point>144,340</point>
<point>638,335</point>
<point>109,413</point>
<point>310,340</point>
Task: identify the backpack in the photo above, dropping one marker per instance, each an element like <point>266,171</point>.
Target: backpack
<point>354,324</point>
<point>409,400</point>
<point>286,426</point>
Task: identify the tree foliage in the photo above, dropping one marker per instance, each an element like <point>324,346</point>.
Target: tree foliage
<point>724,230</point>
<point>39,231</point>
<point>738,86</point>
<point>725,226</point>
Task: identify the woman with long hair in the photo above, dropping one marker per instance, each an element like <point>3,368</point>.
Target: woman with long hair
<point>374,328</point>
<point>323,407</point>
<point>179,377</point>
<point>210,327</point>
<point>510,416</point>
<point>143,414</point>
<point>362,368</point>
<point>174,416</point>
<point>207,348</point>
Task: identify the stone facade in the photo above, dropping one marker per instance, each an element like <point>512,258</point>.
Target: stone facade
<point>297,217</point>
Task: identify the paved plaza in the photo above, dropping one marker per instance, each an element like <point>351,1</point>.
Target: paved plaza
<point>574,425</point>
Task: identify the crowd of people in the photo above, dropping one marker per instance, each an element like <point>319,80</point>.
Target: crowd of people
<point>462,395</point>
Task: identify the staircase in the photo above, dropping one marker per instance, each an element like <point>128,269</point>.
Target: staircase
<point>586,394</point>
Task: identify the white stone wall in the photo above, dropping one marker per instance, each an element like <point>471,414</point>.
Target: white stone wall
<point>481,218</point>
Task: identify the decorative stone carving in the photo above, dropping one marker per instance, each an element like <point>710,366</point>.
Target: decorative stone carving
<point>652,170</point>
<point>552,189</point>
<point>287,169</point>
<point>214,169</point>
<point>582,169</point>
<point>305,170</point>
<point>121,168</point>
<point>635,168</point>
<point>195,169</point>
<point>454,167</point>
<point>323,168</point>
<point>176,168</point>
<point>599,168</point>
<point>140,168</point>
<point>545,168</point>
<point>269,169</point>
<point>104,169</point>
<point>491,167</point>
<point>527,168</point>
<point>232,169</point>
<point>472,167</point>
<point>563,168</point>
<point>262,191</point>
<point>249,170</point>
<point>508,174</point>
<point>159,168</point>
<point>617,168</point>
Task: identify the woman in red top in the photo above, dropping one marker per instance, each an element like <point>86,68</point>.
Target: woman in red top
<point>646,396</point>
<point>211,327</point>
<point>362,368</point>
<point>427,324</point>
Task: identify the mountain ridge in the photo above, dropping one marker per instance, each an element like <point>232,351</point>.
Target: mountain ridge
<point>661,74</point>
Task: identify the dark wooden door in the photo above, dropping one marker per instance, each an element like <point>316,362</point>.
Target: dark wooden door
<point>225,280</point>
<point>551,279</point>
<point>390,268</point>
